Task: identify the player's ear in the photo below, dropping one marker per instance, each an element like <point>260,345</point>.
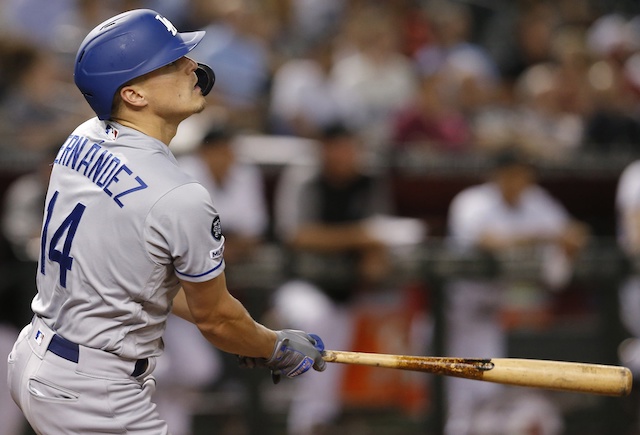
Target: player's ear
<point>133,96</point>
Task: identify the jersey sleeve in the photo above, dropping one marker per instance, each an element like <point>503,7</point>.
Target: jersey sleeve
<point>628,189</point>
<point>553,217</point>
<point>467,215</point>
<point>185,230</point>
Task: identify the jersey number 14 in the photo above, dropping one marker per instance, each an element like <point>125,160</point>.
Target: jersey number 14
<point>68,227</point>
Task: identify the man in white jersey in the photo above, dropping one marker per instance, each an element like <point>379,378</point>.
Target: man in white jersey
<point>508,212</point>
<point>126,239</point>
<point>628,233</point>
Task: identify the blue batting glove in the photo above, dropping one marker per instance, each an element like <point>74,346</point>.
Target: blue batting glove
<point>294,353</point>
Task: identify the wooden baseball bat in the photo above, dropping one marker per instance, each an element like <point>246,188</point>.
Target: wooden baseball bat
<point>578,377</point>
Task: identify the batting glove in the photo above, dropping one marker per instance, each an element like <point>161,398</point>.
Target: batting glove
<point>294,353</point>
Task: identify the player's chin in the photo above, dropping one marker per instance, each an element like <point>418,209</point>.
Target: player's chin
<point>201,105</point>
<point>199,102</point>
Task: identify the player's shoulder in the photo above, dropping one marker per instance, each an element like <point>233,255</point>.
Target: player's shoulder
<point>628,186</point>
<point>89,127</point>
<point>476,199</point>
<point>631,171</point>
<point>188,198</point>
<point>482,191</point>
<point>470,198</point>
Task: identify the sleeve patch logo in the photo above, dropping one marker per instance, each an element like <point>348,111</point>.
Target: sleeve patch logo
<point>216,254</point>
<point>216,228</point>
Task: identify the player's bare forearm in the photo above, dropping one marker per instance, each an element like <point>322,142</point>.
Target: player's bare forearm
<point>234,331</point>
<point>181,307</point>
<point>224,321</point>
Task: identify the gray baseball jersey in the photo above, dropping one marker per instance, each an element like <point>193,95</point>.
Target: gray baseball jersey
<point>122,225</point>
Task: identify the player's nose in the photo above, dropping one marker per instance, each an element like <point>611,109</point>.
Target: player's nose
<point>191,64</point>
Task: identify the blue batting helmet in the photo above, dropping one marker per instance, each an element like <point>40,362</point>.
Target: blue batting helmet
<point>127,46</point>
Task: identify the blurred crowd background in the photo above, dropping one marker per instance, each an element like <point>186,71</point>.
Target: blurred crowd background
<point>555,78</point>
<point>443,104</point>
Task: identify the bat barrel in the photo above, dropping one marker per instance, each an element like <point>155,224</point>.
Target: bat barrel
<point>559,375</point>
<point>556,375</point>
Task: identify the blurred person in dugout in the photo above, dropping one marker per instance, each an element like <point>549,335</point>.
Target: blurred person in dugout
<point>238,192</point>
<point>321,215</point>
<point>508,215</point>
<point>628,215</point>
<point>22,211</point>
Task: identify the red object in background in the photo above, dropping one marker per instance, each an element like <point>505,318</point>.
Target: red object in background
<point>417,31</point>
<point>387,328</point>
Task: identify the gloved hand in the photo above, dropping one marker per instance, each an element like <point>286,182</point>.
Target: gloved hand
<point>294,353</point>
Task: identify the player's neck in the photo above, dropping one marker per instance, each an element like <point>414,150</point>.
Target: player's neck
<point>162,130</point>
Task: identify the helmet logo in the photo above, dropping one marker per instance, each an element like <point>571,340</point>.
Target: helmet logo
<point>170,27</point>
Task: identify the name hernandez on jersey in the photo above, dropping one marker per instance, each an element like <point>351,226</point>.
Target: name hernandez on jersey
<point>100,166</point>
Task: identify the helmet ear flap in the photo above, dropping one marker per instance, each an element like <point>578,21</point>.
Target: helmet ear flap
<point>206,78</point>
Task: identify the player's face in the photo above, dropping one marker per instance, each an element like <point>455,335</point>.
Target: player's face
<point>513,181</point>
<point>341,158</point>
<point>172,90</point>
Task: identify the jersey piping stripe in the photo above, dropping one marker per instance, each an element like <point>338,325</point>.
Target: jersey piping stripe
<point>201,274</point>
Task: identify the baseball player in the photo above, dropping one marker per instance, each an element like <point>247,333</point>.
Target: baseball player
<point>628,234</point>
<point>322,213</point>
<point>508,211</point>
<point>126,239</point>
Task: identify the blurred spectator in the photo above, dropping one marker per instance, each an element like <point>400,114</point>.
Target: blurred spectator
<point>237,191</point>
<point>58,26</point>
<point>543,127</point>
<point>432,120</point>
<point>494,124</point>
<point>572,56</point>
<point>239,57</point>
<point>372,75</point>
<point>322,215</point>
<point>22,212</point>
<point>541,115</point>
<point>24,208</point>
<point>304,99</point>
<point>544,96</point>
<point>612,37</point>
<point>533,25</point>
<point>35,104</point>
<point>470,72</point>
<point>508,213</point>
<point>613,124</point>
<point>306,21</point>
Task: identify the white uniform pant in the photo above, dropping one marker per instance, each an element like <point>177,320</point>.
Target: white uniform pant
<point>317,398</point>
<point>473,330</point>
<point>96,395</point>
<point>10,416</point>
